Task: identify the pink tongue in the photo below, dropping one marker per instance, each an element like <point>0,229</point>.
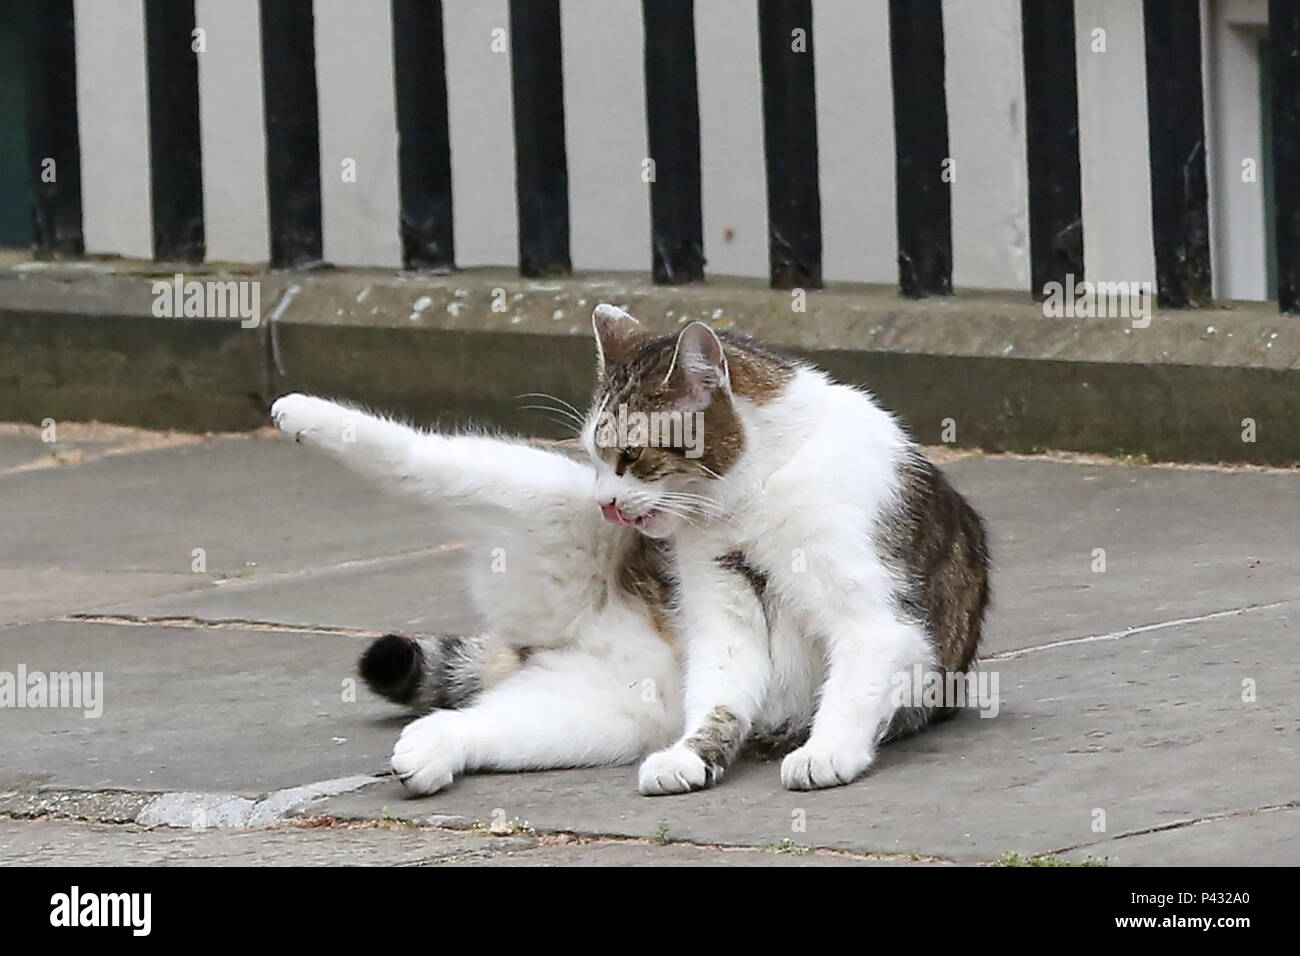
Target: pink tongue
<point>611,513</point>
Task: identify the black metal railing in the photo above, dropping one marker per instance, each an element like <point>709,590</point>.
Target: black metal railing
<point>1177,140</point>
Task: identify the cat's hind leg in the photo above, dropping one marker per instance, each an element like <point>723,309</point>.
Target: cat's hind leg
<point>564,708</point>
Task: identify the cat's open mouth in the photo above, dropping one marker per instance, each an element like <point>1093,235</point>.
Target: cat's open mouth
<point>614,514</point>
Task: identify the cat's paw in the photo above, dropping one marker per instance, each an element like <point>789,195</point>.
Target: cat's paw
<point>816,765</point>
<point>428,755</point>
<point>306,418</point>
<point>675,770</point>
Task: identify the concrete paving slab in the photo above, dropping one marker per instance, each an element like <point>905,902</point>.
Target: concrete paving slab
<point>20,449</point>
<point>190,709</point>
<point>252,505</point>
<point>1269,838</point>
<point>32,595</point>
<point>25,450</point>
<point>64,444</point>
<point>1150,730</point>
<point>418,592</point>
<point>1140,729</point>
<point>1171,551</point>
<point>1177,543</point>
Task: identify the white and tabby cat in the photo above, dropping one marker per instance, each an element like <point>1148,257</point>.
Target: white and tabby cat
<point>761,588</point>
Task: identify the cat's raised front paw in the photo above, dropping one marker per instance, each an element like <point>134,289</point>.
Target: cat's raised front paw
<point>675,770</point>
<point>304,417</point>
<point>428,755</point>
<point>817,765</point>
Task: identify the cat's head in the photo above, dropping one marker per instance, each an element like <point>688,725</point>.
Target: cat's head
<point>663,428</point>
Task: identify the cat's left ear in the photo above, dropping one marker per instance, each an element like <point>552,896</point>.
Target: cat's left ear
<point>617,334</point>
<point>702,365</point>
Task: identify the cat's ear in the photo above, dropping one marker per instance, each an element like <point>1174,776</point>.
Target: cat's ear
<point>701,365</point>
<point>617,334</point>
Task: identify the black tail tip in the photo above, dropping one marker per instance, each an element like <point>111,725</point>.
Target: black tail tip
<point>391,667</point>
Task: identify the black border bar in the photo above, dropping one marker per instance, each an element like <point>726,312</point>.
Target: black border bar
<point>1097,903</point>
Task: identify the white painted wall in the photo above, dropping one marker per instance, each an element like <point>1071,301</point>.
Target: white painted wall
<point>113,123</point>
<point>232,132</point>
<point>1114,159</point>
<point>605,130</point>
<point>733,181</point>
<point>358,123</point>
<point>855,140</point>
<point>1237,225</point>
<point>986,138</point>
<point>480,120</point>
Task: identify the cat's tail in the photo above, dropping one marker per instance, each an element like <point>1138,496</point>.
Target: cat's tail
<point>438,672</point>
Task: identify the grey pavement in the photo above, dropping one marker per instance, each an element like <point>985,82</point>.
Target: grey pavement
<point>224,588</point>
<point>76,843</point>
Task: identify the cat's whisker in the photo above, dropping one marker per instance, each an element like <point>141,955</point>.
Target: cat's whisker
<point>691,496</point>
<point>707,509</point>
<point>558,410</point>
<point>688,496</point>
<point>554,398</point>
<point>668,510</point>
<point>688,508</point>
<point>568,420</point>
<point>562,422</point>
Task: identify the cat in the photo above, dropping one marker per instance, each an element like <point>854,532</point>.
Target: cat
<point>756,578</point>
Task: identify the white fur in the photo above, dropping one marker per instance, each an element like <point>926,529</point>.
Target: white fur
<point>802,503</point>
<point>605,687</point>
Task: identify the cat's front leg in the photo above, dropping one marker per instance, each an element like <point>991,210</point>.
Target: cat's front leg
<point>498,473</point>
<point>316,421</point>
<point>866,651</point>
<point>727,673</point>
